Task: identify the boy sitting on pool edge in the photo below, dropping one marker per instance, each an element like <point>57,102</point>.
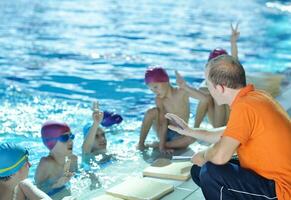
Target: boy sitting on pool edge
<point>168,98</point>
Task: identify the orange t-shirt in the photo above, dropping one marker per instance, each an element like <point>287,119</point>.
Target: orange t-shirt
<point>263,129</point>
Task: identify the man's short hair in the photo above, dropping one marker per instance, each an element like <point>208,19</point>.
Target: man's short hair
<point>227,71</point>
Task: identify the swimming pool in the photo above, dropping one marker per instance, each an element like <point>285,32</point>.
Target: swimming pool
<point>56,57</point>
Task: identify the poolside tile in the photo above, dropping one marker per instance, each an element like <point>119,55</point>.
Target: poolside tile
<point>106,197</point>
<point>197,195</point>
<point>189,185</point>
<point>175,183</point>
<point>177,194</point>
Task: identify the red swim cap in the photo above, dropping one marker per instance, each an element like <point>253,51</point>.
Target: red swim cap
<point>156,74</point>
<point>216,52</point>
<point>51,130</point>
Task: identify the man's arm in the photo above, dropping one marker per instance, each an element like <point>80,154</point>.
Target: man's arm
<point>220,153</point>
<point>206,135</point>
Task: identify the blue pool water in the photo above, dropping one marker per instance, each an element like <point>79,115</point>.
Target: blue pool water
<point>56,57</point>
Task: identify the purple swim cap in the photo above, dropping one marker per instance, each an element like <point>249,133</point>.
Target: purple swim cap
<point>216,52</point>
<point>156,74</point>
<point>110,118</point>
<point>51,130</point>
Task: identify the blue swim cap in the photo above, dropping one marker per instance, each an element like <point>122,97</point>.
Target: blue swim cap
<point>86,129</point>
<point>12,158</point>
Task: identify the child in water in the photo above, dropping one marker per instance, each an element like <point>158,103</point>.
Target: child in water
<point>95,141</point>
<point>55,170</point>
<point>14,168</point>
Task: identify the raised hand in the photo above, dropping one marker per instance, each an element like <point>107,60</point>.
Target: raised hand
<point>180,80</point>
<point>97,116</point>
<point>234,32</point>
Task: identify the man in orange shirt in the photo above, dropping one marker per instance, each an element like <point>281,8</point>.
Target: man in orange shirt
<point>259,130</point>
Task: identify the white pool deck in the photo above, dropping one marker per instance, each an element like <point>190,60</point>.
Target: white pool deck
<point>183,190</point>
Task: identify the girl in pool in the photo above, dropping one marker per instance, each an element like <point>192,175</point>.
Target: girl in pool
<point>55,170</point>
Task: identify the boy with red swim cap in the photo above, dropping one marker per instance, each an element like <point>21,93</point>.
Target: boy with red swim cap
<point>55,170</point>
<point>168,99</point>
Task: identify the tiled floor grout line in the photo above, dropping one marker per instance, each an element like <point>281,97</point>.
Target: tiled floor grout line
<point>191,193</point>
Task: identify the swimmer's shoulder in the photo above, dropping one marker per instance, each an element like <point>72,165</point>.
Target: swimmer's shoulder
<point>45,169</point>
<point>47,162</point>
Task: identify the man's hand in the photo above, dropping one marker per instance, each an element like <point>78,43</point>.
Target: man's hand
<point>177,124</point>
<point>234,33</point>
<point>180,80</point>
<point>198,158</point>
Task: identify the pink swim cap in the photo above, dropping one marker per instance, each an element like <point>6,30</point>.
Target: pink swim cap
<point>51,130</point>
<point>216,52</point>
<point>156,74</point>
